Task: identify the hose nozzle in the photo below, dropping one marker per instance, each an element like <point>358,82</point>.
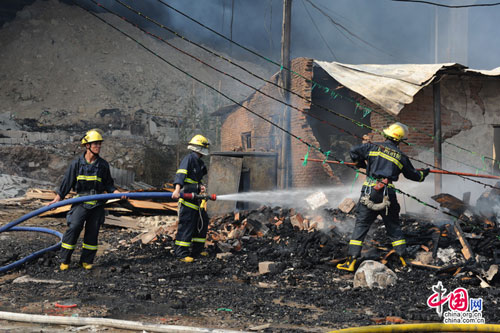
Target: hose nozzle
<point>191,196</point>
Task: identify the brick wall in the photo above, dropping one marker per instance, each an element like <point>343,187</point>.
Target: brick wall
<point>265,137</point>
<point>419,117</point>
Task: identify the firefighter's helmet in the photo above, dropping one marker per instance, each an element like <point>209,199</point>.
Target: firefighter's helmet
<point>199,144</point>
<point>396,131</point>
<point>93,135</point>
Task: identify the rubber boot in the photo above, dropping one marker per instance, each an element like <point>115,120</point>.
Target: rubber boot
<point>86,266</point>
<point>348,265</point>
<point>63,267</point>
<point>187,259</point>
<point>404,261</point>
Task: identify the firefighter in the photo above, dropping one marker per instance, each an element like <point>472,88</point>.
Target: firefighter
<point>88,174</point>
<point>383,161</point>
<point>193,218</point>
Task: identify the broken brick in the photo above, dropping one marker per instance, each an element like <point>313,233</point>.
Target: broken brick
<point>347,205</point>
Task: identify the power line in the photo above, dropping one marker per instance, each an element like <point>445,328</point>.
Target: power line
<point>255,75</point>
<point>319,32</point>
<point>451,6</point>
<point>315,84</point>
<point>335,23</point>
<point>246,108</point>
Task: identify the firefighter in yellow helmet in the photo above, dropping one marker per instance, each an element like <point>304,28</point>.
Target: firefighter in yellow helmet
<point>193,219</point>
<point>88,174</point>
<point>384,162</point>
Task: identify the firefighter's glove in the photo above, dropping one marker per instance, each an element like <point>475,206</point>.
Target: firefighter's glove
<point>425,173</point>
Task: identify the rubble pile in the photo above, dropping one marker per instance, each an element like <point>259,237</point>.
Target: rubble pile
<point>272,268</point>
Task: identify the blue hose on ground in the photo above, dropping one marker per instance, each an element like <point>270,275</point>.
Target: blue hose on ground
<point>12,225</point>
<point>35,254</point>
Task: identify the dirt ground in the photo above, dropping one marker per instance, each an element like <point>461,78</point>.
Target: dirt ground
<point>144,282</point>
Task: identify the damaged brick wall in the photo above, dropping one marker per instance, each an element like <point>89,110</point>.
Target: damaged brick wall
<point>468,102</point>
<point>313,173</point>
<point>265,137</point>
<point>420,115</point>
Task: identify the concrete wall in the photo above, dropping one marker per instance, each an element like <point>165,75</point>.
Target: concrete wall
<point>470,107</point>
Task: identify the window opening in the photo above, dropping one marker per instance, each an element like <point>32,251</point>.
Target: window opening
<point>246,140</point>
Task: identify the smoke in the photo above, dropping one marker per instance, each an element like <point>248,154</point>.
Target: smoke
<point>349,31</point>
<point>310,202</point>
<point>453,185</point>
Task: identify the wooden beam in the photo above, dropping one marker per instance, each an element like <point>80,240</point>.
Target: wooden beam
<point>466,249</point>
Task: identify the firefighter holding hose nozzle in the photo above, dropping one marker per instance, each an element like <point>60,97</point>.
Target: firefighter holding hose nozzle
<point>193,219</point>
<point>384,162</point>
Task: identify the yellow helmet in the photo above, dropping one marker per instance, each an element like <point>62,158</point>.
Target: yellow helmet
<point>396,131</point>
<point>92,135</point>
<point>199,144</point>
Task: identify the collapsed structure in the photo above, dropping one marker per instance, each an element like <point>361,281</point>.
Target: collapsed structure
<point>334,101</point>
<point>269,248</point>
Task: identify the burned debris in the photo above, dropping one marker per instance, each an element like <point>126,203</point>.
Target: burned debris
<point>469,235</point>
<point>270,266</point>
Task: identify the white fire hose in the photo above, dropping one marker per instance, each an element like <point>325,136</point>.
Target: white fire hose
<point>116,323</point>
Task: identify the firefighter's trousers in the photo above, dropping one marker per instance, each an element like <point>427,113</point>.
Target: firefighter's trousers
<point>364,219</point>
<point>191,231</point>
<point>78,218</point>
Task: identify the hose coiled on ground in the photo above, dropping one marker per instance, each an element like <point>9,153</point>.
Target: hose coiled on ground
<point>12,225</point>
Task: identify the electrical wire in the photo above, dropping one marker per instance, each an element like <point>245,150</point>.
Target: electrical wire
<point>256,114</point>
<point>319,31</point>
<point>238,80</point>
<point>335,23</point>
<point>317,84</point>
<point>256,89</point>
<point>451,6</point>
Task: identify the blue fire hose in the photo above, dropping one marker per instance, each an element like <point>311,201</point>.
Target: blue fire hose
<point>12,225</point>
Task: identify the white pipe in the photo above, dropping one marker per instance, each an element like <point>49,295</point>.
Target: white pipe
<point>116,323</point>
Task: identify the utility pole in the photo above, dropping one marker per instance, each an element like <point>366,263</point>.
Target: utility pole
<point>438,161</point>
<point>285,156</point>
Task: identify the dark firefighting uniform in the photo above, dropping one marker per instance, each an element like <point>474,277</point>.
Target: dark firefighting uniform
<point>86,179</point>
<point>193,220</point>
<point>384,160</point>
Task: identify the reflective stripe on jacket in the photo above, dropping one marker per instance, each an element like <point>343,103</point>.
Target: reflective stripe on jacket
<point>385,160</point>
<point>87,178</point>
<point>190,171</point>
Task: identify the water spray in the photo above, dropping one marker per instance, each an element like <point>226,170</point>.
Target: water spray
<point>296,198</point>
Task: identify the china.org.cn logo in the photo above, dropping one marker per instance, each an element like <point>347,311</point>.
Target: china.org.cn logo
<point>462,308</point>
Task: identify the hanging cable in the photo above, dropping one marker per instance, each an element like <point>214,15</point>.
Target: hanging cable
<point>335,23</point>
<point>316,84</point>
<point>251,73</point>
<point>319,31</point>
<point>451,6</point>
<point>260,116</point>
